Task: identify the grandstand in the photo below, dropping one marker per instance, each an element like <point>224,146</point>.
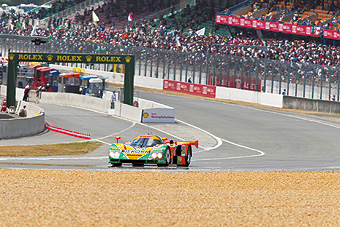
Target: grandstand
<point>296,12</point>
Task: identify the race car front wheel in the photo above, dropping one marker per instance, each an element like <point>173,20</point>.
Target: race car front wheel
<point>167,158</point>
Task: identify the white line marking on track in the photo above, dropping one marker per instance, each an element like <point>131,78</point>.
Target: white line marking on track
<point>219,141</point>
<point>101,141</point>
<point>116,133</point>
<point>261,153</point>
<point>161,131</point>
<point>292,116</point>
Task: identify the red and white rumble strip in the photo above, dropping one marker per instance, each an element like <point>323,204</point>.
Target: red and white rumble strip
<point>68,132</point>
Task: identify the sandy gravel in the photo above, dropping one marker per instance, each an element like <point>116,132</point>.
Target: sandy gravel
<point>86,198</point>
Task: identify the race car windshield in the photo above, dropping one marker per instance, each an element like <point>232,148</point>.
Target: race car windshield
<point>144,142</point>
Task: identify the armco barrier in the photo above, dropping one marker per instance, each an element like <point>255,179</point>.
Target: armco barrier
<point>290,102</point>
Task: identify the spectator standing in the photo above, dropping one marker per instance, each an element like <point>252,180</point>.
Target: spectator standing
<point>130,18</point>
<point>38,94</point>
<point>284,92</point>
<point>113,99</point>
<point>27,90</point>
<point>189,80</point>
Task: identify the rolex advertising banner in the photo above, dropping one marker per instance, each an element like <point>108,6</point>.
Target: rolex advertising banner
<point>81,58</point>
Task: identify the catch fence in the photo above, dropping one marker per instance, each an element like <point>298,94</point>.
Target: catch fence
<point>257,74</point>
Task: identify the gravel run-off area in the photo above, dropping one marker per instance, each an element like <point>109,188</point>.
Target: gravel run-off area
<point>118,198</point>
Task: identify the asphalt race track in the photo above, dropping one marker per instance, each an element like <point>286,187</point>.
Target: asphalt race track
<point>231,137</point>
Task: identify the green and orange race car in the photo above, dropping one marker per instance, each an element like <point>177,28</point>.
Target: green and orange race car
<point>151,149</point>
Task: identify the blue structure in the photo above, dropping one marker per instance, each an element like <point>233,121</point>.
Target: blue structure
<point>54,74</point>
<point>86,87</point>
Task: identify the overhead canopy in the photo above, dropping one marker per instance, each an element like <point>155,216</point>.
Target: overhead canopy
<point>54,72</point>
<point>34,66</point>
<point>45,69</point>
<point>88,77</point>
<point>96,80</point>
<point>70,75</point>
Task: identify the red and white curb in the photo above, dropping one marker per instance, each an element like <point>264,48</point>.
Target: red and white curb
<point>68,132</point>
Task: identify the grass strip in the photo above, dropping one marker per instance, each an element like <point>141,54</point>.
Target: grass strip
<point>49,149</point>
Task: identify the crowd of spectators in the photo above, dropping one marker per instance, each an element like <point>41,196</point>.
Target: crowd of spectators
<point>146,33</point>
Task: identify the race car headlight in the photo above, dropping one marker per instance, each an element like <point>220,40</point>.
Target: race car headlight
<point>160,155</point>
<point>157,155</point>
<point>114,154</point>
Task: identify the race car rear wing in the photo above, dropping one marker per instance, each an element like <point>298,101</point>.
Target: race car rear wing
<point>165,140</point>
<point>188,142</point>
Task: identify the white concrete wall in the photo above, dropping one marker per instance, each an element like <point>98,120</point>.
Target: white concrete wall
<point>82,101</point>
<point>267,99</point>
<point>103,105</point>
<point>20,127</point>
<point>33,124</point>
<point>128,112</point>
<point>3,90</point>
<point>31,109</point>
<point>146,104</point>
<point>149,82</point>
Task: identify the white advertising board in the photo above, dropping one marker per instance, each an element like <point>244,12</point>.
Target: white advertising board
<point>158,115</point>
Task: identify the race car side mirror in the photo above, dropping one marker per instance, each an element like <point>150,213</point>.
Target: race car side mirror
<point>164,139</point>
<point>118,138</point>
